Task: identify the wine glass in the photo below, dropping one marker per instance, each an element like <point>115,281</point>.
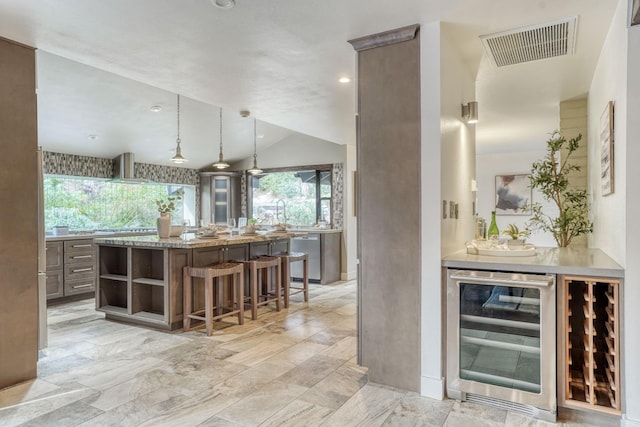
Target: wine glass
<point>185,225</point>
<point>231,224</point>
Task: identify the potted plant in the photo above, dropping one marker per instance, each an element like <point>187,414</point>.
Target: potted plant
<point>165,209</point>
<point>252,226</point>
<point>518,236</point>
<point>551,177</point>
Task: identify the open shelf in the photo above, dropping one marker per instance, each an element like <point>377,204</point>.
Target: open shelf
<point>113,309</point>
<point>590,344</point>
<point>115,277</point>
<point>112,293</point>
<point>147,264</point>
<point>148,299</point>
<point>113,261</point>
<point>145,281</point>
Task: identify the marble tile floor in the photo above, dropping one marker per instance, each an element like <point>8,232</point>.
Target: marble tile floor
<point>293,368</point>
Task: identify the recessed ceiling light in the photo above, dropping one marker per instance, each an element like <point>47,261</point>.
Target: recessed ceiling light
<point>223,4</point>
<point>92,137</point>
<point>156,108</point>
<point>344,80</point>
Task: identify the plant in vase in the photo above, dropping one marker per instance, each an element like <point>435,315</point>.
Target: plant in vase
<point>252,226</point>
<point>551,177</point>
<point>518,236</point>
<point>165,209</point>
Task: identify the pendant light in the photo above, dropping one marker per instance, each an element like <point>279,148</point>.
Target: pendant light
<point>178,159</point>
<point>220,164</point>
<point>255,169</point>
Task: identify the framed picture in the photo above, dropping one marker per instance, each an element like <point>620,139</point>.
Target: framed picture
<point>513,195</point>
<point>635,13</point>
<point>606,150</point>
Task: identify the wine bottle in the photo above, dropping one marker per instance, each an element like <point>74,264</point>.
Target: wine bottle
<point>493,228</point>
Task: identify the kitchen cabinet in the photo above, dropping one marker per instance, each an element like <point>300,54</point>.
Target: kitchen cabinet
<point>70,268</point>
<point>589,343</point>
<point>55,273</point>
<point>219,196</point>
<point>323,249</point>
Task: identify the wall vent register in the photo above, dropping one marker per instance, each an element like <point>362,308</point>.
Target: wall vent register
<point>531,43</point>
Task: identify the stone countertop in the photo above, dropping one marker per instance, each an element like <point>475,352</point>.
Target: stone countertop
<point>96,234</point>
<point>192,240</point>
<point>312,230</point>
<point>579,261</point>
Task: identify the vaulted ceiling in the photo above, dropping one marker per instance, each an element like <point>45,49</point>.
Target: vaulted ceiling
<point>103,64</point>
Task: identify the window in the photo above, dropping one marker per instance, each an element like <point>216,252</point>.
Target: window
<point>297,196</point>
<point>93,204</point>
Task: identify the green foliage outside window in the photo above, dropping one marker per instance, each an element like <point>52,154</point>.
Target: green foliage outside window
<point>297,190</point>
<point>86,204</point>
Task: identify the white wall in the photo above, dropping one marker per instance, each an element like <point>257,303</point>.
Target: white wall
<point>609,84</point>
<point>615,228</point>
<point>458,155</point>
<point>296,150</point>
<point>631,291</point>
<point>448,158</point>
<point>490,165</point>
<point>431,323</point>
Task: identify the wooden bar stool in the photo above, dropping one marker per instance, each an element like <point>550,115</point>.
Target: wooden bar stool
<point>264,287</point>
<point>287,259</point>
<point>214,277</point>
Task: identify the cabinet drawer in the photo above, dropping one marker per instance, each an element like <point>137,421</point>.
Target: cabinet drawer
<point>79,271</point>
<point>54,284</point>
<point>87,257</point>
<point>79,246</point>
<point>54,255</point>
<point>79,286</point>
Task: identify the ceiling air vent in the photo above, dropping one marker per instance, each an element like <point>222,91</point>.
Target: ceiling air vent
<point>531,43</point>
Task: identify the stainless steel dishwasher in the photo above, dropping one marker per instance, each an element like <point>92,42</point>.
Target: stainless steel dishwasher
<point>311,245</point>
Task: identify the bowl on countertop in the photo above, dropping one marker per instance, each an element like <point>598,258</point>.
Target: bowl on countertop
<point>176,231</point>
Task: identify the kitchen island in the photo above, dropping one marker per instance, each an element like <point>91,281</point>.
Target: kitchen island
<point>562,308</point>
<point>139,278</point>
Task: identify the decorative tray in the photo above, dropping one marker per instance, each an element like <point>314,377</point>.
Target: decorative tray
<point>487,248</point>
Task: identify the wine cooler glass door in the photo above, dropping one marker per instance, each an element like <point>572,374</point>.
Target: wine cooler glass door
<point>503,336</point>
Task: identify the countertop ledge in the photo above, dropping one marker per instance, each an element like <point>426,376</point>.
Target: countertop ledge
<point>192,241</point>
<point>577,261</point>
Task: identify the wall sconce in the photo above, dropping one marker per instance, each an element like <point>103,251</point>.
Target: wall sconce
<point>470,112</point>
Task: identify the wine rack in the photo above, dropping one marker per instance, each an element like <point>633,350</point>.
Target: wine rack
<point>590,341</point>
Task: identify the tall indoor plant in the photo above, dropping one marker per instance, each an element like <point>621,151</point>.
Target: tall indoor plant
<point>551,177</point>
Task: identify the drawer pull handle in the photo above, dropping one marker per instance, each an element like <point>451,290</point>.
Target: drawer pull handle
<point>81,256</point>
<point>81,246</point>
<point>80,270</point>
<point>83,286</point>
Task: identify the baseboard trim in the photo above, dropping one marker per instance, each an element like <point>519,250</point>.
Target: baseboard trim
<point>432,387</point>
<point>351,275</point>
<point>626,422</point>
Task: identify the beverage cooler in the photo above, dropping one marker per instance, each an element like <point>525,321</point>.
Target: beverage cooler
<point>501,335</point>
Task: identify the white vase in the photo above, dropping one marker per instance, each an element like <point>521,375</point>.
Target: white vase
<point>164,225</point>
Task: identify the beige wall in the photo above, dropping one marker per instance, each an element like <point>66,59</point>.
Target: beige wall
<point>389,148</point>
<point>573,122</point>
<point>18,221</point>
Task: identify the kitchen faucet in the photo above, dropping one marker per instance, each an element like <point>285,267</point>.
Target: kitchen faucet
<point>284,211</point>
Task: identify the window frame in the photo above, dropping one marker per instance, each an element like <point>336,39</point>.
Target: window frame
<point>318,171</point>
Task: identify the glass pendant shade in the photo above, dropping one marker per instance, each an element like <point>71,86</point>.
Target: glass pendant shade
<point>220,164</point>
<point>178,159</point>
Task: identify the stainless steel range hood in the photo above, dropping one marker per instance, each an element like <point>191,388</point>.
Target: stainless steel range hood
<point>123,170</point>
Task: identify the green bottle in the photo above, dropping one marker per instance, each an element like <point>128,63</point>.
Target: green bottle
<point>493,228</point>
